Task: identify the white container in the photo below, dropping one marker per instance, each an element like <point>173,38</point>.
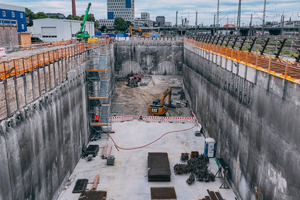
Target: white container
<point>209,147</point>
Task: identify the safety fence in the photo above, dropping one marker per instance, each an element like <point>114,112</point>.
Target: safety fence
<point>278,67</point>
<point>22,65</point>
<point>156,119</point>
<point>122,118</point>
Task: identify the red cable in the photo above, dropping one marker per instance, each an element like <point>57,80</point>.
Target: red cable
<point>133,148</point>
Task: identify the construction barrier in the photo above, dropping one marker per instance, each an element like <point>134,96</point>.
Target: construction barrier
<point>22,65</point>
<point>168,119</point>
<point>278,67</point>
<point>122,118</point>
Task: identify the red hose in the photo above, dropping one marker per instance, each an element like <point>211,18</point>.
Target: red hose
<point>133,148</point>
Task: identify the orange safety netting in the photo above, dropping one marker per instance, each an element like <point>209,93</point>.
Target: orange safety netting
<point>275,66</point>
<point>18,66</point>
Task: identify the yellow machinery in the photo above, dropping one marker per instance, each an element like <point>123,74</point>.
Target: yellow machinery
<point>133,28</point>
<point>158,107</point>
<point>146,34</point>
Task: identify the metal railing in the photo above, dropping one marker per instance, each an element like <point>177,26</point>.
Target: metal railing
<point>22,65</point>
<point>278,67</point>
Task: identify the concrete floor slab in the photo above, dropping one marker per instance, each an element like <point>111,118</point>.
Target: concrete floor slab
<point>127,179</point>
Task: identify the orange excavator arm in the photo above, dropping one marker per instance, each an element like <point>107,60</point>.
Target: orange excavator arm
<point>167,93</point>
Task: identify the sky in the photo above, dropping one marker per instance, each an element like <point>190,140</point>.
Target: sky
<point>186,9</point>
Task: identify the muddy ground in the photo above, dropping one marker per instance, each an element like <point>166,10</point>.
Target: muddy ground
<point>135,101</point>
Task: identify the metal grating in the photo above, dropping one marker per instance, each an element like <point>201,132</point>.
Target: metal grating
<point>80,185</point>
<point>163,193</point>
<point>93,195</point>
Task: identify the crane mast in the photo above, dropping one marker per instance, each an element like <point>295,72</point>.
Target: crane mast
<point>80,34</point>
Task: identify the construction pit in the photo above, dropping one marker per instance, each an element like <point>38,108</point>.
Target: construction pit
<point>131,141</point>
<point>135,101</point>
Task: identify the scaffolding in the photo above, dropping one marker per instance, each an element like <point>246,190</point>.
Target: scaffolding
<point>98,76</point>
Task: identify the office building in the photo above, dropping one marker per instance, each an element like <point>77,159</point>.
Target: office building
<point>145,16</point>
<point>143,21</point>
<point>13,16</point>
<point>49,29</point>
<point>161,20</point>
<point>118,8</point>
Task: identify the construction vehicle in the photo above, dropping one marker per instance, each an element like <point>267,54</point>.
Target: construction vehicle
<point>158,106</point>
<point>81,34</point>
<point>133,80</point>
<point>146,34</point>
<point>133,28</point>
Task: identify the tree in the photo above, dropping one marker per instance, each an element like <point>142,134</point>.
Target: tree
<point>71,17</point>
<point>128,23</point>
<point>30,15</point>
<point>103,28</point>
<point>54,17</point>
<point>40,15</point>
<point>90,17</point>
<point>96,24</point>
<point>120,24</point>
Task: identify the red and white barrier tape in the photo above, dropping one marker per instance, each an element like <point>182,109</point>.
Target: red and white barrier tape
<point>122,118</point>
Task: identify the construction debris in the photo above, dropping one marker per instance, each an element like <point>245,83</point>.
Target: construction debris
<point>92,149</point>
<point>184,156</point>
<point>106,151</point>
<point>197,167</point>
<point>96,181</point>
<point>110,160</point>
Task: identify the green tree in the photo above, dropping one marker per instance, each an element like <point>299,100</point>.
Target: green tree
<point>40,15</point>
<point>120,24</point>
<point>30,15</point>
<point>96,24</point>
<point>54,17</point>
<point>71,17</point>
<point>90,17</point>
<point>103,28</point>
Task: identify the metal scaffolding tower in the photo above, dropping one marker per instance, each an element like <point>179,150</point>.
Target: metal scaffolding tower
<point>98,76</point>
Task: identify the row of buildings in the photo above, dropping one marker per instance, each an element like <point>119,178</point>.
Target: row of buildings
<point>125,10</point>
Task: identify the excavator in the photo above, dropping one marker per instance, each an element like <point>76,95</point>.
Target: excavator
<point>133,28</point>
<point>158,106</point>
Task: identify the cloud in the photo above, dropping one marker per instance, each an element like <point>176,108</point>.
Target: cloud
<point>186,9</point>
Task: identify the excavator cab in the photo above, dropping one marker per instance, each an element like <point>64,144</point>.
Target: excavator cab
<point>158,106</point>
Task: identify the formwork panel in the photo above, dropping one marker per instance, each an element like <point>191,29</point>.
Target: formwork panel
<point>93,195</point>
<point>35,84</point>
<point>29,94</point>
<point>11,95</point>
<point>163,193</point>
<point>42,81</point>
<point>21,92</point>
<point>159,167</point>
<point>3,111</point>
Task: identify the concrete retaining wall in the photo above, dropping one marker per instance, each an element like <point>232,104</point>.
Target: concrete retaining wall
<point>149,56</point>
<point>43,129</point>
<point>8,37</point>
<point>21,90</point>
<point>255,119</point>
